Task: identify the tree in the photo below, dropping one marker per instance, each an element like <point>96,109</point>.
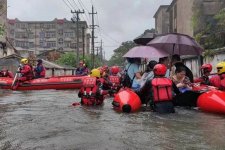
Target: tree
<point>117,58</point>
<point>69,59</point>
<point>213,34</point>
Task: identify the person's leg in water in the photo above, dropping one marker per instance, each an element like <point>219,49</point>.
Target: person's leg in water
<point>164,107</point>
<point>189,99</point>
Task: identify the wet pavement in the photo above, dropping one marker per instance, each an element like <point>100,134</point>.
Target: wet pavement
<point>46,120</point>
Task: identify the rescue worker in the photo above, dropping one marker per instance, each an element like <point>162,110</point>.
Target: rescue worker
<point>82,69</point>
<point>205,71</point>
<point>219,80</point>
<point>92,92</point>
<point>159,91</point>
<point>105,70</point>
<point>114,78</point>
<point>104,73</point>
<point>39,70</point>
<point>26,72</point>
<point>6,73</point>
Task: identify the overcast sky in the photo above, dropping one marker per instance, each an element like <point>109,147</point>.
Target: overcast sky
<point>118,20</point>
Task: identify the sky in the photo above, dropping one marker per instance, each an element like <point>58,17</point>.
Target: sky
<point>118,20</point>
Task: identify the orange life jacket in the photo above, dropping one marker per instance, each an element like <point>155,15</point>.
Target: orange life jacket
<point>162,89</point>
<point>114,80</point>
<point>89,92</point>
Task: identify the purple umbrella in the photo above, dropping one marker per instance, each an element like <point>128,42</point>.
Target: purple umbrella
<point>176,43</point>
<point>145,52</point>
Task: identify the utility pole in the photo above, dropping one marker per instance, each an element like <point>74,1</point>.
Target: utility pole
<point>77,12</point>
<point>93,36</point>
<point>101,54</point>
<point>83,40</point>
<point>97,48</point>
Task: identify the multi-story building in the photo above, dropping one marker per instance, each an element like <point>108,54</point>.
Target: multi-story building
<point>162,20</point>
<point>3,19</point>
<point>39,36</point>
<point>180,14</point>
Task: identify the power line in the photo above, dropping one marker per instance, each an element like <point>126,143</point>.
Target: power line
<point>81,3</point>
<point>67,5</point>
<point>109,37</point>
<point>83,7</point>
<point>75,4</point>
<point>71,5</point>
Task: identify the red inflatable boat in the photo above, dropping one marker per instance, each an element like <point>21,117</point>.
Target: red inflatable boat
<point>210,100</point>
<point>57,82</point>
<point>126,101</point>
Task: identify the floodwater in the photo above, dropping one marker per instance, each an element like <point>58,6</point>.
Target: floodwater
<point>46,120</point>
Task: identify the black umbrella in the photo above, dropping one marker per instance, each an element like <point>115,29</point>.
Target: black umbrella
<point>144,38</point>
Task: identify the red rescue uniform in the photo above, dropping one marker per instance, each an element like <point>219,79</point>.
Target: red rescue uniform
<point>6,73</point>
<point>218,81</point>
<point>26,72</point>
<point>92,92</point>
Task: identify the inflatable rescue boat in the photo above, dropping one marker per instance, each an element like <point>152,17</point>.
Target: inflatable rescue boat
<point>209,100</point>
<point>127,101</point>
<point>57,82</point>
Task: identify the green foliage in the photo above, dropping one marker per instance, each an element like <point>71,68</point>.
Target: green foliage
<point>213,34</point>
<point>209,53</point>
<point>198,18</point>
<point>69,59</point>
<point>117,58</point>
<point>2,30</point>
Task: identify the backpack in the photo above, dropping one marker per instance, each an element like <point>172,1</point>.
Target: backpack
<point>126,81</point>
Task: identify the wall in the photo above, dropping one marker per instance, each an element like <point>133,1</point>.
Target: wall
<point>184,17</point>
<point>193,63</point>
<point>162,20</point>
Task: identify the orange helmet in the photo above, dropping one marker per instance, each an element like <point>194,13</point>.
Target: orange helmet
<point>160,70</point>
<point>206,67</point>
<point>115,69</point>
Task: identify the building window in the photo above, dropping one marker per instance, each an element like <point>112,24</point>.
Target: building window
<point>69,34</point>
<point>73,45</point>
<point>22,44</point>
<point>21,35</point>
<point>51,44</point>
<point>42,44</point>
<point>12,32</point>
<point>60,41</point>
<point>31,44</point>
<point>60,32</point>
<point>50,34</point>
<point>67,44</point>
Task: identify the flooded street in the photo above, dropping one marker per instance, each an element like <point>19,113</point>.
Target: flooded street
<point>46,120</point>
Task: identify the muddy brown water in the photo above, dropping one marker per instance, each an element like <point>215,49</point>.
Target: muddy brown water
<point>36,120</point>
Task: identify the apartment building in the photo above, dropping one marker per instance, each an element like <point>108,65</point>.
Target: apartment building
<point>40,36</point>
<point>180,13</point>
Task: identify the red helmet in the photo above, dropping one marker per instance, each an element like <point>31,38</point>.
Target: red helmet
<point>159,70</point>
<point>206,67</point>
<point>115,69</point>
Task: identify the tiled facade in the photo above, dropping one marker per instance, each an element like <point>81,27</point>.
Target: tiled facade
<point>39,36</point>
